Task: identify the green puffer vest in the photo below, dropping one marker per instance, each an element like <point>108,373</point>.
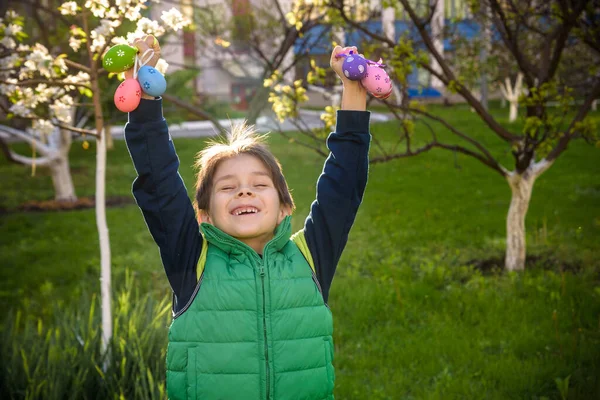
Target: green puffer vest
<point>255,329</point>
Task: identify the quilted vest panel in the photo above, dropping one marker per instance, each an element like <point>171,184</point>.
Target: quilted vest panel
<point>257,328</point>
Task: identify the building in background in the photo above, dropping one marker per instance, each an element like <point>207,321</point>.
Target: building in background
<point>230,72</point>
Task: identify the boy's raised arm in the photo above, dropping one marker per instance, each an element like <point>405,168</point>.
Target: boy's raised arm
<point>161,195</point>
<point>342,183</point>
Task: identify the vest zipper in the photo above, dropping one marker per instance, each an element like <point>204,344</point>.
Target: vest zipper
<point>262,277</point>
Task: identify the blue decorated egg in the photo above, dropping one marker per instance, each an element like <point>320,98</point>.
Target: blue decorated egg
<point>151,81</point>
<point>354,66</point>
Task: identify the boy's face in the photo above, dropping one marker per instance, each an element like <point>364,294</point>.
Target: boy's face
<point>244,202</point>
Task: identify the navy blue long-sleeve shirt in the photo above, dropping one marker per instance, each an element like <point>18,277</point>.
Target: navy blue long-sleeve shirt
<point>161,195</point>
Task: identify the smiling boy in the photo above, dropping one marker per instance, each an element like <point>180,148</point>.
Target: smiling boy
<point>250,313</point>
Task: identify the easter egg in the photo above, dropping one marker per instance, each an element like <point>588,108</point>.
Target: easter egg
<point>119,58</point>
<point>128,95</point>
<point>377,81</point>
<point>151,81</point>
<point>354,66</point>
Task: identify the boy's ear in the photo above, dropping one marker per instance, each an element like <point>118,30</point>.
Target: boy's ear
<point>284,211</point>
<point>203,216</point>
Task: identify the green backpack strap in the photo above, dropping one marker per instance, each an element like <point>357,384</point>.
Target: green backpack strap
<point>300,241</point>
<point>298,238</point>
<point>202,260</point>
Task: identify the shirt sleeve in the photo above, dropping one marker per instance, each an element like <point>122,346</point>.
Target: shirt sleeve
<point>340,190</point>
<point>161,195</point>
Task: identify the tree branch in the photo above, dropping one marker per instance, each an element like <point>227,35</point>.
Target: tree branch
<point>568,135</point>
<point>7,131</point>
<point>511,41</point>
<point>23,160</point>
<point>35,82</point>
<point>76,65</point>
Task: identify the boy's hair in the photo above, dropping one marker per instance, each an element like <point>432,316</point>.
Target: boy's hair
<point>243,139</point>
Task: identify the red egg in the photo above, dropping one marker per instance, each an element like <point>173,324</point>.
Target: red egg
<point>128,95</point>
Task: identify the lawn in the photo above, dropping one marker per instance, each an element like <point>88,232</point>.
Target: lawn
<point>421,309</point>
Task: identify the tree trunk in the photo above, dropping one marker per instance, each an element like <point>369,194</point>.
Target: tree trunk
<point>521,186</point>
<point>62,181</point>
<point>102,226</point>
<point>105,278</point>
<point>110,144</point>
<point>60,169</point>
<point>514,111</point>
<point>437,33</point>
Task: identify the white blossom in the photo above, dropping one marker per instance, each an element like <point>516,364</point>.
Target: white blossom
<point>9,62</point>
<point>161,66</point>
<point>133,13</point>
<point>146,26</point>
<point>174,19</point>
<point>98,41</point>
<point>42,126</point>
<point>81,77</point>
<point>23,47</point>
<point>8,42</point>
<point>68,8</point>
<point>38,60</point>
<point>29,98</point>
<point>19,110</point>
<point>62,109</point>
<point>11,15</point>
<point>97,7</point>
<point>119,40</point>
<point>12,29</point>
<point>113,14</point>
<point>75,43</point>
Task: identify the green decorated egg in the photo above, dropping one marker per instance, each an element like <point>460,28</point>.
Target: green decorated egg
<point>119,58</point>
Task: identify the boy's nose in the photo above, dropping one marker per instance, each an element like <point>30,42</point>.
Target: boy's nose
<point>245,192</point>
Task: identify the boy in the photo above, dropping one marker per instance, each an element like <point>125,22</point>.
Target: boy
<point>251,319</point>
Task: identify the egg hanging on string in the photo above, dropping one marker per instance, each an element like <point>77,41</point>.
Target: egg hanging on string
<point>128,95</point>
<point>151,81</point>
<point>119,58</point>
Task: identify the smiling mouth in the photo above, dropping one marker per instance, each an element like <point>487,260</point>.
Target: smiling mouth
<point>244,211</point>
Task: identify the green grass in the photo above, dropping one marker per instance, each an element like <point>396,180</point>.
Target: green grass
<point>414,319</point>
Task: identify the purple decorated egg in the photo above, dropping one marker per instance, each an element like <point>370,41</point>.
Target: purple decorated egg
<point>128,95</point>
<point>354,66</point>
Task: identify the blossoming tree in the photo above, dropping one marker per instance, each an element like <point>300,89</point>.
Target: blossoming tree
<point>540,42</point>
<point>45,88</point>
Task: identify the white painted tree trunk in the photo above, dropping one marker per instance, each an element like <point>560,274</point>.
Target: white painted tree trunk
<point>437,33</point>
<point>53,154</point>
<point>521,186</point>
<point>514,111</point>
<point>105,279</point>
<point>512,94</point>
<point>62,181</point>
<point>60,169</point>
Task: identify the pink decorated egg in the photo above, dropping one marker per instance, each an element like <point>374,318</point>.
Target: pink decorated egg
<point>377,81</point>
<point>385,95</point>
<point>128,95</point>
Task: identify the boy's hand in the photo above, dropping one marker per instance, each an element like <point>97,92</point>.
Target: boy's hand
<point>143,44</point>
<point>354,96</point>
<point>337,63</point>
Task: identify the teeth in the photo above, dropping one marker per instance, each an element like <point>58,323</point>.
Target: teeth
<point>245,210</point>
